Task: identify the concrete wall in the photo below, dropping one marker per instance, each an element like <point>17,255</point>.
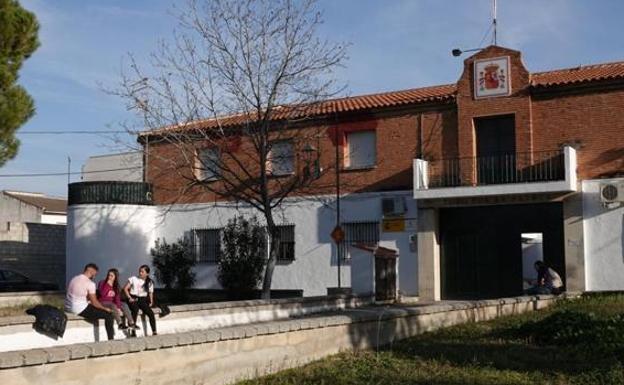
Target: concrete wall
<point>315,267</point>
<point>35,249</point>
<point>111,236</point>
<point>121,236</point>
<point>14,210</point>
<point>226,355</point>
<point>127,160</point>
<point>17,333</point>
<point>603,239</point>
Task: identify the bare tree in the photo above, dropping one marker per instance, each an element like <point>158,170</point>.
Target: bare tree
<point>230,93</point>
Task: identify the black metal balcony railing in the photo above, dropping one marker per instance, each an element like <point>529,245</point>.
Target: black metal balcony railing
<point>129,193</point>
<point>503,168</point>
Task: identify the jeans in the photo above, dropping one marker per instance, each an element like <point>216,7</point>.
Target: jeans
<point>92,313</point>
<point>117,312</point>
<point>536,290</point>
<point>143,304</point>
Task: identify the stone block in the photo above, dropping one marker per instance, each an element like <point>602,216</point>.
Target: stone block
<point>35,357</point>
<point>58,354</point>
<point>261,329</point>
<point>226,333</point>
<point>11,360</point>
<point>284,326</point>
<point>198,337</point>
<point>250,331</point>
<point>79,351</point>
<point>119,347</point>
<point>185,339</point>
<point>99,349</point>
<point>239,332</point>
<point>212,335</point>
<point>135,344</point>
<point>153,342</point>
<point>168,340</point>
<point>273,327</point>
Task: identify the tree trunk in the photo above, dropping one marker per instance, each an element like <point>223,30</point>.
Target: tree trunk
<point>273,248</point>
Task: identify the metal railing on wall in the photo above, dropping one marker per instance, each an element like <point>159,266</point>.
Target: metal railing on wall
<point>505,168</point>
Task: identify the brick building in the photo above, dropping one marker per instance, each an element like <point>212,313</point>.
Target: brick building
<point>458,180</point>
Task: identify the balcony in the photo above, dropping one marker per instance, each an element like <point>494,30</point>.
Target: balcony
<point>519,173</point>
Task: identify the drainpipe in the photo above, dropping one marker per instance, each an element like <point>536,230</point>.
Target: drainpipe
<point>420,133</point>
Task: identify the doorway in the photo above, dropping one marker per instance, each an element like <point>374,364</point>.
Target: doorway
<point>496,149</point>
<point>481,247</point>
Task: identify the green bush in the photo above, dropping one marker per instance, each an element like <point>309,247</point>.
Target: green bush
<point>243,256</point>
<point>173,263</point>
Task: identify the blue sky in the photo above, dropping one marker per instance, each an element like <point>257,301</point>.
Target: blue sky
<point>396,44</point>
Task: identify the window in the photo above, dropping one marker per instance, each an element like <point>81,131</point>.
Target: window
<point>361,150</point>
<point>280,159</point>
<point>359,232</point>
<point>208,160</point>
<point>286,252</point>
<point>207,245</point>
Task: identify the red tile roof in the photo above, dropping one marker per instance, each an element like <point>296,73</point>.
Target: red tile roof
<point>341,105</point>
<point>577,75</point>
<point>48,204</point>
<point>434,94</point>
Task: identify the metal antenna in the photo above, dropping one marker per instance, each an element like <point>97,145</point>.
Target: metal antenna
<point>494,20</point>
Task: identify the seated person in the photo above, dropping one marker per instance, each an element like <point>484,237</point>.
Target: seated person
<point>81,299</point>
<point>548,281</point>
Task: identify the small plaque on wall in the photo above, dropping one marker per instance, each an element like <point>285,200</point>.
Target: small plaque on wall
<point>491,77</point>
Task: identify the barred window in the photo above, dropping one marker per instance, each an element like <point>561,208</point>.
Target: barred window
<point>359,232</point>
<point>207,245</point>
<point>286,252</point>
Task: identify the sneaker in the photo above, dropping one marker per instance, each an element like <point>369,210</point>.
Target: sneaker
<point>122,327</point>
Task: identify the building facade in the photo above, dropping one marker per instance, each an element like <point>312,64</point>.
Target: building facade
<point>456,180</point>
<point>32,235</point>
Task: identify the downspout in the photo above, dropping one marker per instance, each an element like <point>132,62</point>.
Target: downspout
<point>420,133</point>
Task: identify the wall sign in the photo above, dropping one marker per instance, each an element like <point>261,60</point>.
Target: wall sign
<point>394,225</point>
<point>491,77</point>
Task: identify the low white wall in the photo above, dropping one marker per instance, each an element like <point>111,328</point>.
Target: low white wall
<point>17,333</point>
<point>603,229</point>
<point>121,236</point>
<point>117,236</point>
<point>227,355</point>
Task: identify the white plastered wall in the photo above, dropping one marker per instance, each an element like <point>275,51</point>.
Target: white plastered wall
<point>117,236</point>
<point>121,236</point>
<point>603,228</point>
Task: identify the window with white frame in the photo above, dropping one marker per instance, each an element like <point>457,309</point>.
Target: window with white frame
<point>281,159</point>
<point>208,160</point>
<point>361,149</point>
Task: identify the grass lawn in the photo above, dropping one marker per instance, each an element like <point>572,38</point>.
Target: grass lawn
<point>573,342</point>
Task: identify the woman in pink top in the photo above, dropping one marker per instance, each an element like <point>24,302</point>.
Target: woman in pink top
<point>109,296</point>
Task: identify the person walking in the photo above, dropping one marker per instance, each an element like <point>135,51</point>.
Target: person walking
<point>80,299</point>
<point>140,293</point>
<point>109,295</point>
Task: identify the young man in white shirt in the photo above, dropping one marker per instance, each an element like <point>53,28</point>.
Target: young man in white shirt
<point>81,299</point>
